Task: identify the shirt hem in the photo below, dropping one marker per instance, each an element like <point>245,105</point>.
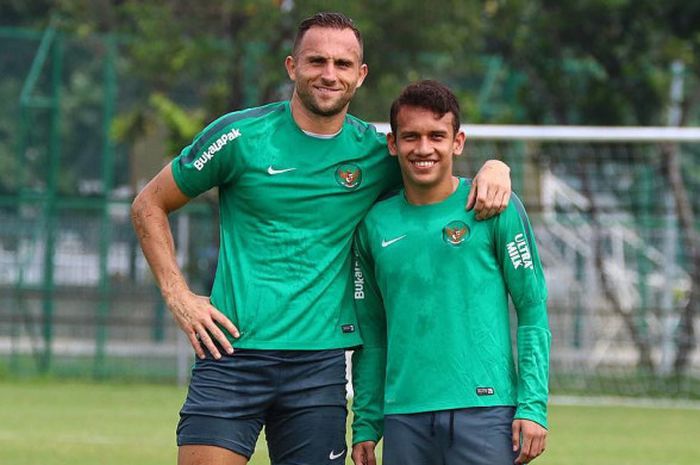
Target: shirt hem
<point>297,345</point>
<point>444,406</point>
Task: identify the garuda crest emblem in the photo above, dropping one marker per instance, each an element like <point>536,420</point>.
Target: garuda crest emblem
<point>455,232</point>
<point>349,176</point>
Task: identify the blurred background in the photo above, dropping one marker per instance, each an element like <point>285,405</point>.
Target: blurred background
<point>594,104</point>
<point>97,96</point>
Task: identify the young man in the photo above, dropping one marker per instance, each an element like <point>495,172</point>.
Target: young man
<point>294,178</point>
<point>435,375</point>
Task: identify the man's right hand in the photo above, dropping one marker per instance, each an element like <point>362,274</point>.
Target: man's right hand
<point>197,318</point>
<point>363,453</point>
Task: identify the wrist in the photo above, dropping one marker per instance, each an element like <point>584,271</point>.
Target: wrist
<point>174,292</point>
<point>494,163</point>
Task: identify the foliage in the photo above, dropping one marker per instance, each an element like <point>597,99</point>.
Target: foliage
<point>588,62</point>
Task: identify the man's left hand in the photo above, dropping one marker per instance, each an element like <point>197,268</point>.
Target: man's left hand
<point>490,191</point>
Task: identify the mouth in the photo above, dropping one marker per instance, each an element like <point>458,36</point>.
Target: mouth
<point>423,164</point>
<point>326,90</point>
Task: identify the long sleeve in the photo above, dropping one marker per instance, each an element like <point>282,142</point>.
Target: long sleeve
<point>368,362</point>
<point>517,252</point>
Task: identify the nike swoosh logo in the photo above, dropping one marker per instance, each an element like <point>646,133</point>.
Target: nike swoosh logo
<point>334,456</point>
<point>272,171</point>
<point>389,242</point>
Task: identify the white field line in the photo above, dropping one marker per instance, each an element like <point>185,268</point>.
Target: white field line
<point>612,401</point>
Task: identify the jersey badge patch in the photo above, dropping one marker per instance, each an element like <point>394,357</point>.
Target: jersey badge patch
<point>485,391</point>
<point>455,232</point>
<point>349,175</point>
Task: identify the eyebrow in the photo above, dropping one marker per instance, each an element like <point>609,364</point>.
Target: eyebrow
<point>430,133</point>
<point>337,61</point>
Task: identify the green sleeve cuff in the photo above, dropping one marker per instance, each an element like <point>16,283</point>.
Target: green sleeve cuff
<point>365,435</point>
<point>526,413</point>
<point>533,373</point>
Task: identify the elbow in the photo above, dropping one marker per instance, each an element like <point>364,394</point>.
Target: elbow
<point>137,207</point>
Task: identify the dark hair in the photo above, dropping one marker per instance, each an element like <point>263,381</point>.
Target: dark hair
<point>329,20</point>
<point>428,94</point>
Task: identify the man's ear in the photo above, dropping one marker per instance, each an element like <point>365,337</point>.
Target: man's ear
<point>290,65</point>
<point>391,144</point>
<point>458,144</point>
<point>364,69</point>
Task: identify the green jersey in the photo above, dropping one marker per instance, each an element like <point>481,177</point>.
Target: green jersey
<point>431,290</point>
<point>289,203</point>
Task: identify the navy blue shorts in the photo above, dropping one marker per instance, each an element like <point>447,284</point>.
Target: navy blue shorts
<point>469,436</point>
<point>299,396</point>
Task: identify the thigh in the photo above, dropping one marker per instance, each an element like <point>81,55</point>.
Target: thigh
<point>208,455</point>
<point>226,402</point>
<point>201,438</point>
<point>307,422</point>
<point>482,436</point>
<point>307,436</point>
<point>411,439</point>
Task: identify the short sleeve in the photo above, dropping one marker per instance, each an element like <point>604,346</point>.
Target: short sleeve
<point>211,160</point>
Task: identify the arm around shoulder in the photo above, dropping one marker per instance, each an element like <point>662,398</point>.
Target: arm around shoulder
<point>490,190</point>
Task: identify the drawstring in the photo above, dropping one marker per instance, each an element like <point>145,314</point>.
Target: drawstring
<point>452,426</point>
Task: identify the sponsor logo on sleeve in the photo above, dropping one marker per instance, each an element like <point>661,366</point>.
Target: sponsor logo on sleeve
<point>214,148</point>
<point>519,252</point>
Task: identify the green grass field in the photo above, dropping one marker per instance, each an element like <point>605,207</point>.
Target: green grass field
<point>52,423</point>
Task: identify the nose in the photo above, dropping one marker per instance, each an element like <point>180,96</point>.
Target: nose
<point>423,147</point>
<point>329,74</point>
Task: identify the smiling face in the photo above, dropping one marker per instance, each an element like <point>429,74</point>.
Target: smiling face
<point>326,69</point>
<point>425,144</point>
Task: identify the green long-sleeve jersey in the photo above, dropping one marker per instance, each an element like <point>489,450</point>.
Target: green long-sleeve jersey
<point>431,292</point>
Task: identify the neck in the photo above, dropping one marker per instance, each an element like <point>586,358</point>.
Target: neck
<point>311,122</point>
<point>425,195</point>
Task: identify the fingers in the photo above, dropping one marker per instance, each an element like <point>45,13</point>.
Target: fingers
<point>363,453</point>
<point>536,448</point>
<point>538,445</point>
<point>525,450</point>
<point>532,441</point>
<point>194,340</point>
<point>205,338</point>
<point>198,319</point>
<point>516,436</point>
<point>491,201</point>
<point>503,200</point>
<point>358,455</point>
<point>490,192</point>
<point>219,336</point>
<point>369,454</point>
<point>226,323</point>
<point>471,198</point>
